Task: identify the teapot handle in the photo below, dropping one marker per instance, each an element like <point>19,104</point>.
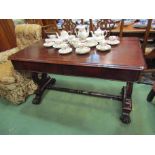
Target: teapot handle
<point>92,33</point>
<point>57,35</point>
<point>105,33</point>
<point>76,32</point>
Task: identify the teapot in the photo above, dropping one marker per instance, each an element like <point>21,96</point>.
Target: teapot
<point>99,34</point>
<point>63,35</point>
<point>82,31</point>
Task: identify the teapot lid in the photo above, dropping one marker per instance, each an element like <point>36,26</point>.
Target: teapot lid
<point>98,29</point>
<point>81,26</point>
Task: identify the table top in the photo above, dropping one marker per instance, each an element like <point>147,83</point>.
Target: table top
<point>126,55</point>
<point>131,29</point>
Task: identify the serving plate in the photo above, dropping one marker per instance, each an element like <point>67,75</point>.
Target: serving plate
<point>103,48</point>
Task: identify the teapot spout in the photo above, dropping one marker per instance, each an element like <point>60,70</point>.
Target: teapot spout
<point>92,33</point>
<point>57,35</point>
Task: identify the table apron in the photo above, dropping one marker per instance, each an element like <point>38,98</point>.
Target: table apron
<point>85,71</point>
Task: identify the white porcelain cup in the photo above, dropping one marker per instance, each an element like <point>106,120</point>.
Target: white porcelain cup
<point>113,38</point>
<point>58,41</point>
<point>52,36</point>
<point>74,41</point>
<point>103,43</point>
<point>64,46</point>
<point>47,40</point>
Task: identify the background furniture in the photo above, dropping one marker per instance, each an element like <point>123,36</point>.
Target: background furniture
<point>7,34</point>
<point>151,94</point>
<point>15,86</point>
<point>49,26</point>
<point>107,24</point>
<point>131,31</point>
<point>69,25</point>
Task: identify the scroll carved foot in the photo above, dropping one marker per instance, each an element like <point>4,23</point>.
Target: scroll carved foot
<point>44,82</point>
<point>126,103</point>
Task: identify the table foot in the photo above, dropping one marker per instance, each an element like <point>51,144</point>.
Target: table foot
<point>125,119</point>
<point>44,81</point>
<point>126,103</point>
<point>37,99</point>
<point>150,95</point>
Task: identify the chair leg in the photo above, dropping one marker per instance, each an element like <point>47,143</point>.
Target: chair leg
<point>150,95</point>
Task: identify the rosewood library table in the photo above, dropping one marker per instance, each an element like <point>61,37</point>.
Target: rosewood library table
<point>124,62</point>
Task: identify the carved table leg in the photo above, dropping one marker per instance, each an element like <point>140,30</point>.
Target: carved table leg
<point>151,95</point>
<point>43,81</point>
<point>126,103</point>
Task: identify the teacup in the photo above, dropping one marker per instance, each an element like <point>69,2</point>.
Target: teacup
<point>52,36</point>
<point>113,38</point>
<point>64,46</point>
<point>58,41</point>
<point>74,41</point>
<point>48,40</point>
<point>71,37</point>
<point>91,40</point>
<point>103,43</point>
<point>100,38</point>
<point>78,44</point>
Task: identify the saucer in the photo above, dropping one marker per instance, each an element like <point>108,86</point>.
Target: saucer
<point>114,42</point>
<point>82,50</point>
<point>47,40</point>
<point>91,44</point>
<point>103,48</point>
<point>51,36</point>
<point>65,51</point>
<point>49,44</point>
<point>59,45</point>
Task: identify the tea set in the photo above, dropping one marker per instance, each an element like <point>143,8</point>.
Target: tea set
<point>81,40</point>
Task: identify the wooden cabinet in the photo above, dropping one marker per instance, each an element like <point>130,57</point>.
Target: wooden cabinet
<point>7,34</point>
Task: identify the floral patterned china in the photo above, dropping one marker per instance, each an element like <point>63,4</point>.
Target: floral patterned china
<point>48,44</point>
<point>91,43</point>
<point>51,36</point>
<point>65,50</point>
<point>115,42</point>
<point>82,50</point>
<point>103,48</point>
<point>62,45</point>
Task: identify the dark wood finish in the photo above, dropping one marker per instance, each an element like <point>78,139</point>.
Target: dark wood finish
<point>126,102</point>
<point>91,25</point>
<point>43,83</point>
<point>69,25</point>
<point>124,62</point>
<point>151,95</point>
<point>146,35</point>
<point>84,92</point>
<point>130,31</point>
<point>125,58</point>
<point>49,26</point>
<point>82,21</point>
<point>107,24</point>
<point>121,28</point>
<point>7,34</point>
